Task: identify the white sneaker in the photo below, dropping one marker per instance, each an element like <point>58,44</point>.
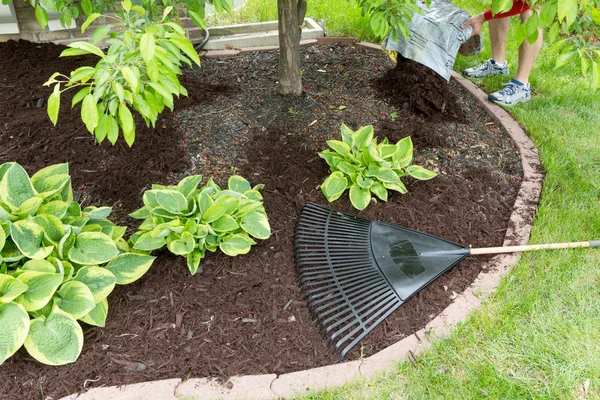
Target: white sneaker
<point>514,92</point>
<point>488,68</point>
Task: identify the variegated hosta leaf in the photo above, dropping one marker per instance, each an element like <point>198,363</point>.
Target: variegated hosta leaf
<point>129,267</point>
<point>14,325</point>
<point>55,340</point>
<point>97,316</point>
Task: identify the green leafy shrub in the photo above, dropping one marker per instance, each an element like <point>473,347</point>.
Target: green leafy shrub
<point>192,220</point>
<point>58,263</point>
<point>365,167</point>
<point>138,71</point>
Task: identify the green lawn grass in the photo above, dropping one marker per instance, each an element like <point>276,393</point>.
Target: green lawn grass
<point>538,336</point>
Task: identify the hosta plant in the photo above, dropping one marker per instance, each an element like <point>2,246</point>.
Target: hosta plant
<point>58,263</point>
<point>191,220</point>
<point>368,168</point>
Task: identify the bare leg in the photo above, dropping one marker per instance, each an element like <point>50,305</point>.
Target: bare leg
<point>498,33</point>
<point>527,52</point>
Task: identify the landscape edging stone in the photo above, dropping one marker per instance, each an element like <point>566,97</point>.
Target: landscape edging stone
<point>300,382</point>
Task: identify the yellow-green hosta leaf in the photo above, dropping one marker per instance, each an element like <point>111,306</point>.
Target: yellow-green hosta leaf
<point>238,184</point>
<point>397,186</point>
<point>40,289</point>
<point>29,207</point>
<point>56,340</point>
<point>256,224</point>
<point>420,173</point>
<point>16,187</point>
<point>225,224</point>
<point>387,175</point>
<point>28,236</point>
<point>39,266</point>
<point>213,213</point>
<point>76,299</point>
<point>148,242</point>
<point>2,239</point>
<point>14,325</point>
<point>231,203</point>
<point>340,147</point>
<point>334,186</point>
<point>363,137</point>
<point>97,316</point>
<point>93,248</point>
<point>129,267</point>
<point>53,227</point>
<point>360,197</point>
<point>10,288</point>
<point>188,184</point>
<point>171,200</point>
<point>100,281</point>
<point>404,152</point>
<point>253,195</point>
<point>380,191</point>
<point>184,245</point>
<point>97,213</point>
<point>193,261</point>
<point>236,244</point>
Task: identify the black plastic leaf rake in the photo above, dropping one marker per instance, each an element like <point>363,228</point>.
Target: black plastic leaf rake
<point>356,272</point>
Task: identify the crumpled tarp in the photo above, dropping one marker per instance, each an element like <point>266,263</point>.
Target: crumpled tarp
<point>436,37</point>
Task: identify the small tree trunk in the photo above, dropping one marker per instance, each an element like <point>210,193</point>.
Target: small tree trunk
<point>291,17</point>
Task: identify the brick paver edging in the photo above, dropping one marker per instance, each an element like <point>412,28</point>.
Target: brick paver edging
<point>287,385</point>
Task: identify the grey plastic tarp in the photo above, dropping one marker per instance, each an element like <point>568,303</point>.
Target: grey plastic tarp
<point>435,37</point>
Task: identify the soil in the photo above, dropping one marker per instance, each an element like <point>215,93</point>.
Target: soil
<point>245,315</point>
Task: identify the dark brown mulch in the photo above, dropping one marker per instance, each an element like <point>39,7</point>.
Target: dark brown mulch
<point>245,315</point>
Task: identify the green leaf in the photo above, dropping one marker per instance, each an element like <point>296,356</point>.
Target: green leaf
<point>420,173</point>
<point>127,124</point>
<point>397,186</point>
<point>82,74</point>
<point>87,7</point>
<point>363,137</point>
<point>595,75</point>
<point>126,4</point>
<point>14,325</point>
<point>171,200</point>
<point>66,244</point>
<point>10,289</point>
<point>28,236</point>
<point>39,266</point>
<point>256,224</point>
<point>40,289</point>
<point>91,18</point>
<point>360,197</point>
<point>129,267</point>
<point>340,147</point>
<point>58,208</point>
<point>148,242</point>
<point>548,13</point>
<point>56,340</point>
<point>100,33</point>
<point>147,47</point>
<point>225,223</point>
<point>334,186</point>
<point>380,191</point>
<point>184,245</point>
<point>41,15</point>
<point>79,96</point>
<point>236,244</point>
<point>97,213</point>
<point>52,185</point>
<point>213,213</point>
<point>499,6</point>
<point>29,207</point>
<point>93,248</point>
<point>89,113</point>
<point>193,261</point>
<point>54,104</point>
<point>86,48</point>
<point>53,227</point>
<point>186,46</point>
<point>238,184</point>
<point>100,281</point>
<point>347,134</point>
<point>387,175</point>
<point>97,317</point>
<point>48,172</point>
<point>404,152</point>
<point>16,186</point>
<point>76,299</point>
<point>131,78</point>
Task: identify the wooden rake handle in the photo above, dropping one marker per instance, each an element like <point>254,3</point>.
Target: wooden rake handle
<point>515,249</point>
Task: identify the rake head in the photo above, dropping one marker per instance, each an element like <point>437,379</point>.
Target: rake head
<point>355,272</point>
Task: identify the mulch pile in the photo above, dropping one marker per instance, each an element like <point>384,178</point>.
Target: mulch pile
<point>246,315</point>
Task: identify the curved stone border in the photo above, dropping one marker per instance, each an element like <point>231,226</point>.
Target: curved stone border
<point>295,383</point>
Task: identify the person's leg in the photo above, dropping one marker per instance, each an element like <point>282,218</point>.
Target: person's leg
<point>527,53</point>
<point>498,34</point>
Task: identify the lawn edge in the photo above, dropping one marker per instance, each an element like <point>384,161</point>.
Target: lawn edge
<point>292,384</point>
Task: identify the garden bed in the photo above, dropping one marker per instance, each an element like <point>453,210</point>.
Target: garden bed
<point>245,315</point>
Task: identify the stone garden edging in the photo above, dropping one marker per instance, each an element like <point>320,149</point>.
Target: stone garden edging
<point>287,385</point>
